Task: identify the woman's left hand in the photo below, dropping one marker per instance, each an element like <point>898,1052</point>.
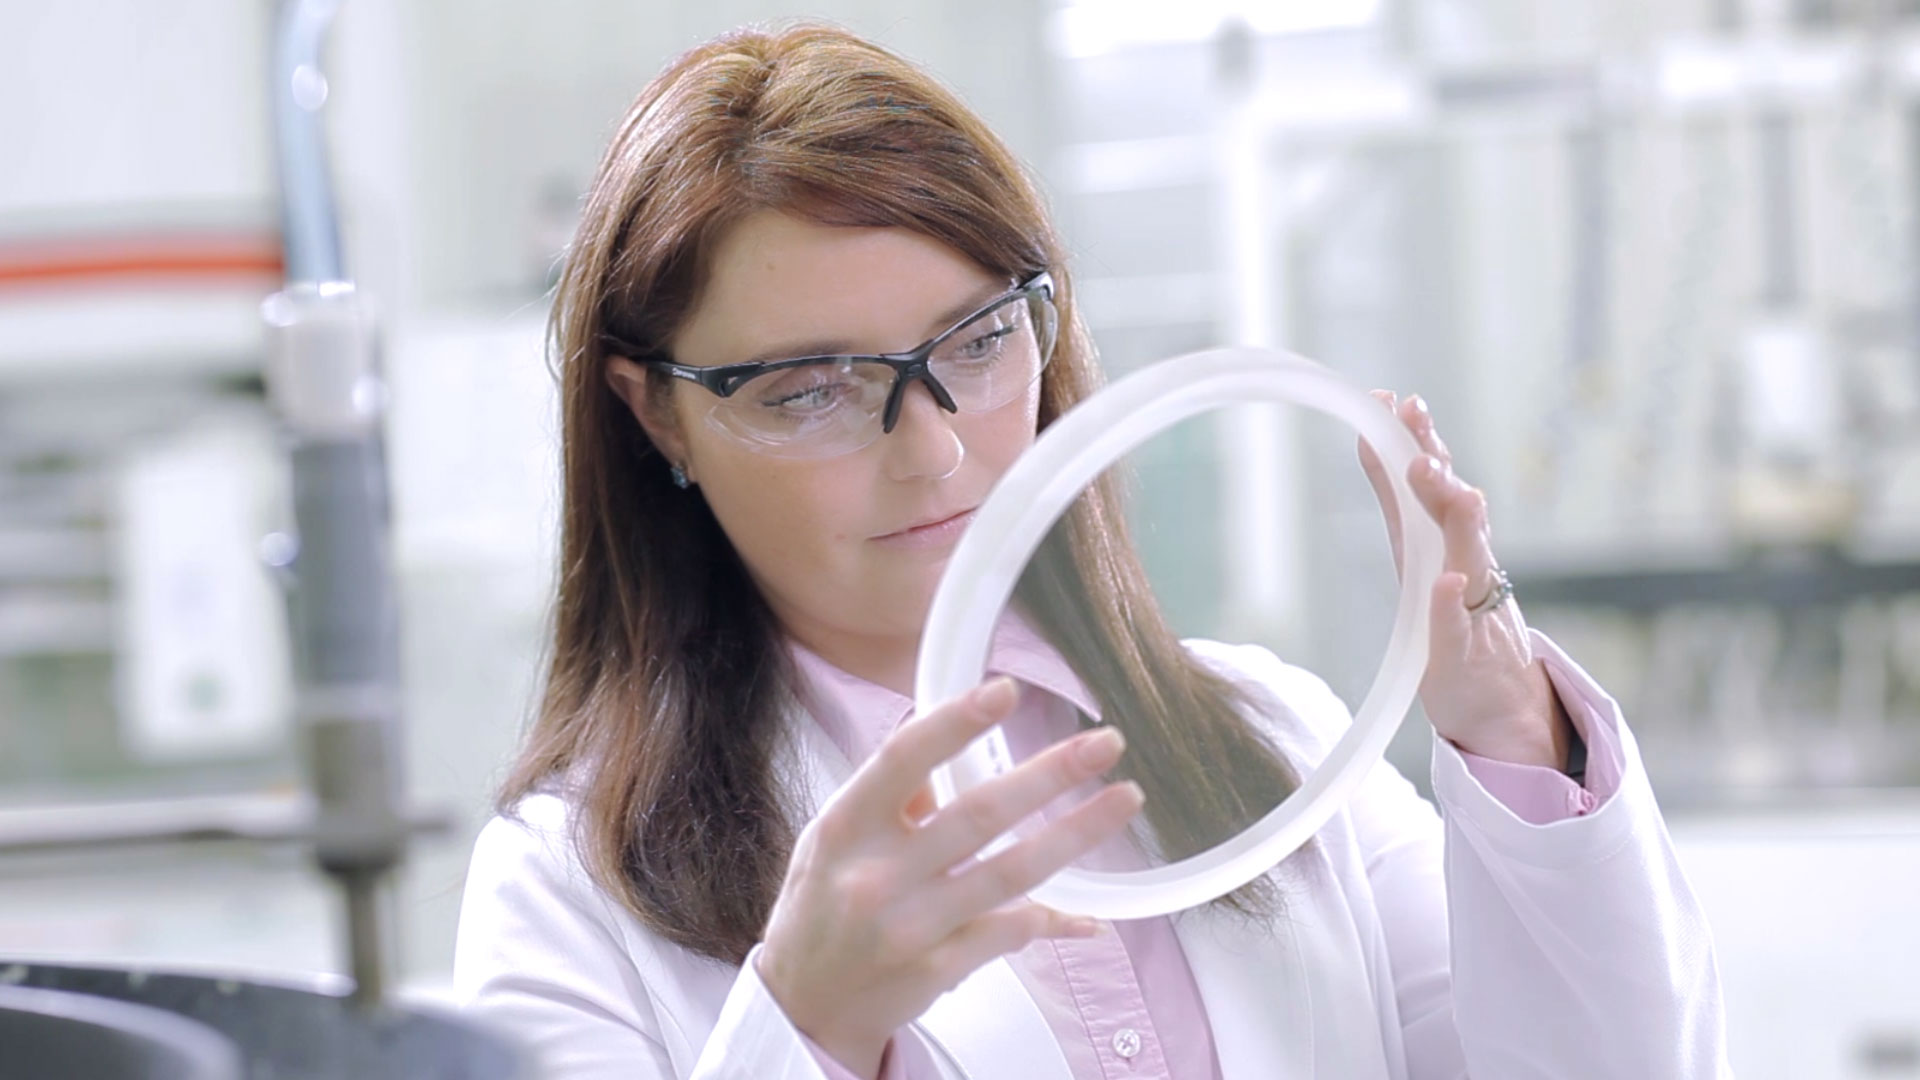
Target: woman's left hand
<point>1483,688</point>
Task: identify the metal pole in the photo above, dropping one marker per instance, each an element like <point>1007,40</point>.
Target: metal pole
<point>324,382</point>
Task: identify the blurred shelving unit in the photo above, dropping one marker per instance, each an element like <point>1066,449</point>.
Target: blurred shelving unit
<point>1481,204</point>
<point>137,240</point>
<point>134,464</point>
<point>1782,676</point>
<point>1657,269</point>
<point>143,653</point>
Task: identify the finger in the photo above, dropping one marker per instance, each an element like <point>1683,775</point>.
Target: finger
<point>1418,417</point>
<point>981,813</point>
<point>1369,458</point>
<point>997,933</point>
<point>1448,624</point>
<point>1431,484</point>
<point>1468,548</point>
<point>888,781</point>
<point>1383,494</point>
<point>1460,510</point>
<point>922,805</point>
<point>1376,473</point>
<point>1011,873</point>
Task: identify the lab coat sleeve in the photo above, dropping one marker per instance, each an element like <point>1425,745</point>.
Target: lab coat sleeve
<point>893,1064</point>
<point>1578,948</point>
<point>540,956</point>
<point>1520,951</point>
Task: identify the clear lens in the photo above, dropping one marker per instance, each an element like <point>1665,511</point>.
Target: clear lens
<point>993,359</point>
<point>835,405</point>
<point>812,410</point>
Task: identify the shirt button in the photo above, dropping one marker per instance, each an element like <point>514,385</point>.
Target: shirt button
<point>1126,1042</point>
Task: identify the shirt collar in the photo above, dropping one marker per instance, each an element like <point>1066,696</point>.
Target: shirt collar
<point>859,715</point>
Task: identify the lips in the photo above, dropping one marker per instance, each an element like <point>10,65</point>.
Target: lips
<point>927,523</point>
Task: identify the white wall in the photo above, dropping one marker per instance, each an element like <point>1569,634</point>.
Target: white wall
<point>504,98</point>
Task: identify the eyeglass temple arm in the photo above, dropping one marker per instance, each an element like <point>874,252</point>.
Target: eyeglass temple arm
<point>719,380</point>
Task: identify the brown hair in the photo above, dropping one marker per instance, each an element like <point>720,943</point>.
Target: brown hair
<point>668,681</point>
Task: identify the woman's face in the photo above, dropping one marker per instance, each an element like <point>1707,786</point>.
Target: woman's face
<point>840,546</point>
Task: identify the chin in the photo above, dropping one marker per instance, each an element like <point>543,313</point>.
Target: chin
<point>911,602</point>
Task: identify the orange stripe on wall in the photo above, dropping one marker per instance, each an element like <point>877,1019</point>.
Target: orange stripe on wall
<point>76,262</point>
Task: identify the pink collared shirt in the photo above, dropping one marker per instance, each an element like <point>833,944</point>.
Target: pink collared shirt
<point>1124,1004</point>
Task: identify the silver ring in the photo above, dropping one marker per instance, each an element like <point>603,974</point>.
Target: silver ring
<point>1501,592</point>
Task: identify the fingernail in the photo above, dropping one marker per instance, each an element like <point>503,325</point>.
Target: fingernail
<point>1101,747</point>
<point>1420,405</point>
<point>1084,926</point>
<point>1139,797</point>
<point>1428,465</point>
<point>996,696</point>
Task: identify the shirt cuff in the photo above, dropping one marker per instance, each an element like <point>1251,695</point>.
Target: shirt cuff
<point>1539,795</point>
<point>836,1071</point>
<point>1536,794</point>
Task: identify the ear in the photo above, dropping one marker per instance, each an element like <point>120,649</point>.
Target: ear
<point>651,406</point>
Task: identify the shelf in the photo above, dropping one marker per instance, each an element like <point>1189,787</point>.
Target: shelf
<point>1789,580</point>
<point>41,622</point>
<point>200,332</point>
<point>53,553</point>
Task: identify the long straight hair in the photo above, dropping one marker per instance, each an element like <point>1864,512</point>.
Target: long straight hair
<point>668,683</point>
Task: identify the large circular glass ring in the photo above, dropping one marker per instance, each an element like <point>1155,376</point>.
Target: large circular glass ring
<point>1044,482</point>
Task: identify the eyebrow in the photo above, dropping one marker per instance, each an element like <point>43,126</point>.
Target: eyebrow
<point>839,347</point>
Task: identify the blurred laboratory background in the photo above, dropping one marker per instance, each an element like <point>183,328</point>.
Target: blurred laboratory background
<point>1655,264</point>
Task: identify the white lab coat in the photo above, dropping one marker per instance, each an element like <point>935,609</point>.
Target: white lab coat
<point>1407,949</point>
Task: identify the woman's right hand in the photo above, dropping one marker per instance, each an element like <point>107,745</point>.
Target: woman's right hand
<point>877,917</point>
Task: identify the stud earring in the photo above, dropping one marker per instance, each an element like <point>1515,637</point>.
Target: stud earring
<point>680,478</point>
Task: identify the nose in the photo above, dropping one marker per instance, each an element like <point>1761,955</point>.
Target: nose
<point>923,444</point>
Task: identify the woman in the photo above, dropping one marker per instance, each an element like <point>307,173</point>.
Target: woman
<point>814,310</point>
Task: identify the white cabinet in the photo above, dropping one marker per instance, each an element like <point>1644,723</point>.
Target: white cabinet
<point>1816,919</point>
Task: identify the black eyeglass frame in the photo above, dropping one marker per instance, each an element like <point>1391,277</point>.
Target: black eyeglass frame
<point>908,367</point>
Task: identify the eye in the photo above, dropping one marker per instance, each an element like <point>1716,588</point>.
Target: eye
<point>806,390</point>
<point>811,397</point>
<point>986,344</point>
